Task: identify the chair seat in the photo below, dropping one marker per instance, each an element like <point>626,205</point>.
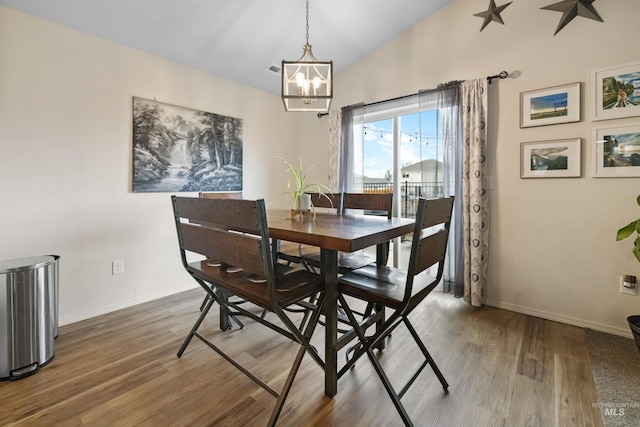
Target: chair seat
<point>289,251</point>
<point>292,284</point>
<point>347,261</point>
<point>381,285</point>
<point>355,260</point>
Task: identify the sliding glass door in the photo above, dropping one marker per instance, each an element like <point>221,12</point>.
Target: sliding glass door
<point>413,147</point>
<point>401,153</point>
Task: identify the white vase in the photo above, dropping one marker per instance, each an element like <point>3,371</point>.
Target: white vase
<point>304,202</point>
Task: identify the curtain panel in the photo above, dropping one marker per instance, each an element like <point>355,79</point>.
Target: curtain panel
<point>463,110</point>
<point>350,140</point>
<point>474,191</point>
<point>335,135</point>
<point>446,99</point>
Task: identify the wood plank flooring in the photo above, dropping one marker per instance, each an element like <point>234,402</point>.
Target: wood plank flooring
<point>121,369</point>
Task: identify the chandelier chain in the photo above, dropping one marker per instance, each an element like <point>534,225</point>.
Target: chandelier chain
<point>307,21</point>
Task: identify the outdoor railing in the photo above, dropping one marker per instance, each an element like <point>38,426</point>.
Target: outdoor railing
<point>410,192</point>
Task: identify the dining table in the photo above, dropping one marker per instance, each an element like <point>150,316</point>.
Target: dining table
<point>334,233</point>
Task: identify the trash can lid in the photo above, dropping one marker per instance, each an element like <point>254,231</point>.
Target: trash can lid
<point>18,264</point>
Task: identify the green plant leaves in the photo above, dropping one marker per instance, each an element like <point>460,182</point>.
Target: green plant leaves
<point>296,182</point>
<point>636,248</point>
<point>627,230</point>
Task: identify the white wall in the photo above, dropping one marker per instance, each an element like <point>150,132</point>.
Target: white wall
<point>65,159</point>
<point>65,153</point>
<point>553,252</point>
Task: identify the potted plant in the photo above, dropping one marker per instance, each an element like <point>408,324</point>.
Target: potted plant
<point>633,228</point>
<point>299,188</point>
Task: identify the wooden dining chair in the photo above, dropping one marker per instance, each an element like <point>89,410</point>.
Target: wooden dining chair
<point>221,195</point>
<point>236,233</point>
<point>401,292</point>
<point>364,203</point>
<point>367,203</point>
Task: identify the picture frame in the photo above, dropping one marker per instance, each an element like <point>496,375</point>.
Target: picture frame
<point>550,106</point>
<point>616,151</point>
<point>559,158</point>
<point>616,92</point>
<point>181,149</point>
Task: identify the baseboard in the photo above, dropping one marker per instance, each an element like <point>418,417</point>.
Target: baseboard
<point>582,323</point>
<point>98,311</point>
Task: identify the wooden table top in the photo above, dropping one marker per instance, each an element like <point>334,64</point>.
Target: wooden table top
<point>346,233</point>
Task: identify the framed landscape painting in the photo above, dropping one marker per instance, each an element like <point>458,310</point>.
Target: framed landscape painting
<point>551,159</point>
<point>616,151</point>
<point>550,106</point>
<point>178,149</point>
<point>616,92</point>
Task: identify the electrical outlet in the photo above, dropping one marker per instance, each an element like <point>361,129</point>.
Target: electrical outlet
<point>628,285</point>
<point>117,267</point>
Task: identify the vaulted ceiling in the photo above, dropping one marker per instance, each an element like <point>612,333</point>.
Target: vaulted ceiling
<point>239,39</point>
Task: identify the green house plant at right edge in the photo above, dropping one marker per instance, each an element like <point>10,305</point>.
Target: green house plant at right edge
<point>633,228</point>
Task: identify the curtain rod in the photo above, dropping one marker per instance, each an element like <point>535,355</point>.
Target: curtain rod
<point>501,75</point>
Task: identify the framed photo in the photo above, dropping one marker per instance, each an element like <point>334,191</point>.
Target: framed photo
<point>616,151</point>
<point>551,159</point>
<point>616,92</point>
<point>554,105</point>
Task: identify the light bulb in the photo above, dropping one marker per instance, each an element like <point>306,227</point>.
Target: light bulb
<point>316,85</point>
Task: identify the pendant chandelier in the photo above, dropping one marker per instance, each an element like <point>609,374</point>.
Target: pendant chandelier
<point>307,84</point>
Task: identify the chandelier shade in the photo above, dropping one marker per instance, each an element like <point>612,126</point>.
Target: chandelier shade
<point>307,84</point>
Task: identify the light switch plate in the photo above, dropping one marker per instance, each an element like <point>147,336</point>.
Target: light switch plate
<point>117,267</point>
<point>627,291</point>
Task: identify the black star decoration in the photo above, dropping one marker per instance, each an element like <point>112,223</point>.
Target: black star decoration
<point>492,13</point>
<point>572,8</point>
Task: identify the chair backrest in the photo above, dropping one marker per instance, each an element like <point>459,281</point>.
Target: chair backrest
<point>430,237</point>
<point>325,200</point>
<point>381,204</point>
<point>221,195</point>
<point>235,195</point>
<point>231,231</point>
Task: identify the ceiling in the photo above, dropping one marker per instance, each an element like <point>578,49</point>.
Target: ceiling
<point>239,39</point>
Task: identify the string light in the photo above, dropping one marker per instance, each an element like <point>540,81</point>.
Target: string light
<point>413,136</point>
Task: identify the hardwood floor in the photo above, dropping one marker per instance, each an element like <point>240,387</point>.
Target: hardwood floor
<point>121,369</point>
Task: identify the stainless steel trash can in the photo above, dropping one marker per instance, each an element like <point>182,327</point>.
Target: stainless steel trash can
<point>28,314</point>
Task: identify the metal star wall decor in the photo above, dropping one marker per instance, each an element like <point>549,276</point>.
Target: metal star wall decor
<point>492,13</point>
<point>572,8</point>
